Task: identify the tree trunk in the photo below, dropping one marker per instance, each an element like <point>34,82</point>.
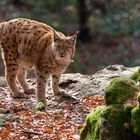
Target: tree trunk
<point>84,13</point>
<point>17,2</point>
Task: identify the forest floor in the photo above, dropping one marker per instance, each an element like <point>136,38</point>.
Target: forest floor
<point>60,121</point>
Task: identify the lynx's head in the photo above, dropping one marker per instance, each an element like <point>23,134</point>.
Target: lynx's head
<point>63,47</point>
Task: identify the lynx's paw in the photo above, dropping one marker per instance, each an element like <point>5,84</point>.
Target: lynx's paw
<point>19,95</point>
<point>30,91</point>
<point>60,92</point>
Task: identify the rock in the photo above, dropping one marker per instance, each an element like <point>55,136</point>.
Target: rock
<point>136,76</point>
<point>91,125</point>
<point>90,85</point>
<point>138,98</point>
<point>78,85</point>
<point>136,119</point>
<point>120,89</point>
<point>39,107</point>
<point>11,117</point>
<point>110,122</point>
<point>2,116</point>
<point>76,137</point>
<point>104,123</point>
<point>59,111</point>
<point>2,122</point>
<point>3,82</point>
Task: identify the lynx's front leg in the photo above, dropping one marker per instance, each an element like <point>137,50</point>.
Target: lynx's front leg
<point>55,84</point>
<point>41,86</point>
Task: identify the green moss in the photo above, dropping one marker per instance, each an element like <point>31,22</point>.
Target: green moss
<point>127,112</point>
<point>119,90</point>
<point>11,117</point>
<point>91,128</point>
<point>136,76</point>
<point>2,122</point>
<point>39,107</point>
<point>135,120</point>
<point>113,114</point>
<point>138,98</point>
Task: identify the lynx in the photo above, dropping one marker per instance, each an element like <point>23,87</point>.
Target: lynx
<point>28,44</point>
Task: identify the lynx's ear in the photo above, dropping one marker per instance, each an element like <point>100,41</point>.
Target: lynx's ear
<point>73,39</point>
<point>56,35</point>
<point>73,42</point>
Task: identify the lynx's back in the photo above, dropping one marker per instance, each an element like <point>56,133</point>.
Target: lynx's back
<point>26,38</point>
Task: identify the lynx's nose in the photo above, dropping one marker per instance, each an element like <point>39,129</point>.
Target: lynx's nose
<point>61,55</point>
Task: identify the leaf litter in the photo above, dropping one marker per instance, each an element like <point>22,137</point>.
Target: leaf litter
<point>60,121</point>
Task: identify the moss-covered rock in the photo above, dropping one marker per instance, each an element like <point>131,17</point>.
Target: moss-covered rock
<point>138,98</point>
<point>11,117</point>
<point>135,120</point>
<point>2,122</point>
<point>136,76</point>
<point>119,90</point>
<point>114,115</point>
<point>135,117</point>
<point>5,118</point>
<point>105,122</point>
<point>39,107</point>
<point>127,113</point>
<point>92,124</point>
<point>111,122</point>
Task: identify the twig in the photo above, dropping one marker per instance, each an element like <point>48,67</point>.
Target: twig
<point>32,132</point>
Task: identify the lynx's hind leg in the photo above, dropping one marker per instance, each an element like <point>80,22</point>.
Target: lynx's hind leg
<point>11,68</point>
<point>21,76</point>
<point>10,74</point>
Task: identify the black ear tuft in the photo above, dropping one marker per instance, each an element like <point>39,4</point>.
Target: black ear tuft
<point>56,36</point>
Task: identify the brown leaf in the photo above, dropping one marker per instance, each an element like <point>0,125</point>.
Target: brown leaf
<point>48,130</point>
<point>5,133</point>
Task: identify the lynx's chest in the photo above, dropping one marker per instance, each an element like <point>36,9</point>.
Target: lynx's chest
<point>58,70</point>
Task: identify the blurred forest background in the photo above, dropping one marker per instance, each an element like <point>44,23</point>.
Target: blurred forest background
<point>109,29</point>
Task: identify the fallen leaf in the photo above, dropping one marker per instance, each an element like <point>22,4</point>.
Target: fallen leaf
<point>5,133</point>
<point>48,130</point>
